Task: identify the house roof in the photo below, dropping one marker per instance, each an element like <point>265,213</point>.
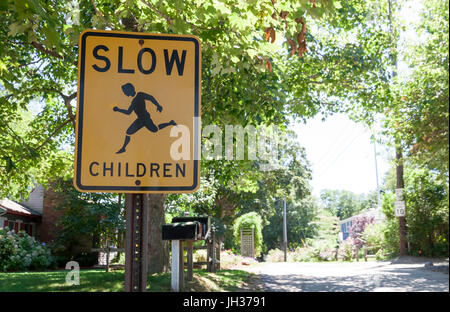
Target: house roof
<point>375,213</point>
<point>18,209</point>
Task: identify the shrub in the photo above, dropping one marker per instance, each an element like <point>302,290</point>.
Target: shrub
<point>427,213</point>
<point>323,250</point>
<point>345,251</point>
<point>275,255</point>
<point>229,260</point>
<point>19,252</point>
<point>302,254</point>
<point>199,255</point>
<point>249,220</point>
<point>373,235</point>
<point>357,229</point>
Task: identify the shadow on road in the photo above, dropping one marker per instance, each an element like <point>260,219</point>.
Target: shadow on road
<point>378,278</point>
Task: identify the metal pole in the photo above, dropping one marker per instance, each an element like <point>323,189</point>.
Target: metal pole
<point>136,243</point>
<point>284,230</point>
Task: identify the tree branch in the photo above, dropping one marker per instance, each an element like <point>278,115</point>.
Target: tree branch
<point>67,100</point>
<point>40,47</point>
<point>166,17</point>
<point>46,140</point>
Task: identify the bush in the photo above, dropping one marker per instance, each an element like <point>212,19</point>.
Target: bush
<point>345,251</point>
<point>357,229</point>
<point>20,252</point>
<point>249,220</point>
<point>200,255</point>
<point>383,238</point>
<point>373,235</point>
<point>323,250</point>
<point>427,213</point>
<point>302,254</point>
<point>275,255</point>
<point>229,260</point>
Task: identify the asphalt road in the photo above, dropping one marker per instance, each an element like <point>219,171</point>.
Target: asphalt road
<point>379,276</point>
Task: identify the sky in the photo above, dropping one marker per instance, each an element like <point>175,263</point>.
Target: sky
<point>340,151</point>
<point>341,154</point>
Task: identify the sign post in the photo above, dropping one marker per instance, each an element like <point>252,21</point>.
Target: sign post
<point>136,242</point>
<point>138,125</point>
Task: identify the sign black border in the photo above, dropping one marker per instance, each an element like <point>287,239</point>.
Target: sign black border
<point>137,189</point>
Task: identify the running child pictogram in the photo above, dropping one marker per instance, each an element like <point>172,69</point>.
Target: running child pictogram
<point>143,116</point>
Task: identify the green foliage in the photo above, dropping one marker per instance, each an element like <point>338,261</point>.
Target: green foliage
<point>299,217</point>
<point>85,216</point>
<point>321,246</point>
<point>327,227</point>
<point>427,213</point>
<point>320,251</point>
<point>391,238</point>
<point>345,251</point>
<point>344,204</point>
<point>275,255</point>
<point>229,260</point>
<point>290,180</point>
<point>382,239</point>
<point>418,115</point>
<point>249,220</point>
<point>373,235</point>
<point>245,78</point>
<point>20,252</point>
<point>38,69</point>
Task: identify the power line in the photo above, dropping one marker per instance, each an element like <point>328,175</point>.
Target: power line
<point>340,154</point>
<point>336,141</point>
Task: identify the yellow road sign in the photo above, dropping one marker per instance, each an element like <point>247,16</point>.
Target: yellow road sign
<point>138,101</point>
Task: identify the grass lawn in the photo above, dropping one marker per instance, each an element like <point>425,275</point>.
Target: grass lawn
<point>100,281</point>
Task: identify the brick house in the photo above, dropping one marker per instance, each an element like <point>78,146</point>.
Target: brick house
<point>37,215</point>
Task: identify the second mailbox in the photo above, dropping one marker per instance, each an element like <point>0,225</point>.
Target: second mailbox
<point>186,228</point>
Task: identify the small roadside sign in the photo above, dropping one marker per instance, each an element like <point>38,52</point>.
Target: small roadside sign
<point>399,194</point>
<point>139,94</point>
<point>400,209</point>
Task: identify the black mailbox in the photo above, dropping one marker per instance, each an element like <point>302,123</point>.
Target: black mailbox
<point>203,220</point>
<point>186,228</point>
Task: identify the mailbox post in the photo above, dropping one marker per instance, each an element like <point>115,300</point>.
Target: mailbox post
<point>177,265</point>
<point>182,229</point>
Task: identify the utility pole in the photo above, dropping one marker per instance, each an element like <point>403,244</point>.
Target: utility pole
<point>398,154</point>
<point>284,230</point>
<point>401,219</point>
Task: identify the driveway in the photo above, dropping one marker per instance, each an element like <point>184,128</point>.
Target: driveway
<point>401,275</point>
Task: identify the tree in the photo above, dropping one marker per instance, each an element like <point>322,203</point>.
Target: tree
<point>300,215</point>
<point>246,77</point>
<point>359,224</point>
<point>343,204</point>
<point>86,216</point>
<point>39,59</point>
<point>419,112</point>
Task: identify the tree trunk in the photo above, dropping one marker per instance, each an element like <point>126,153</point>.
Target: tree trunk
<point>158,250</point>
